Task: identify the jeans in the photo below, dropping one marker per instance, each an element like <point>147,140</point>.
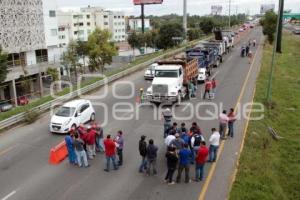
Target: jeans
<point>72,155</point>
<point>151,164</point>
<point>169,175</point>
<point>143,165</point>
<point>120,155</point>
<point>199,169</point>
<point>113,159</point>
<point>230,129</point>
<point>81,156</point>
<point>91,150</point>
<point>222,129</point>
<point>206,92</point>
<point>101,145</point>
<point>186,171</point>
<point>213,150</point>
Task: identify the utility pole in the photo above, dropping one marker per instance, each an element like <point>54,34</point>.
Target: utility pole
<point>229,25</point>
<point>280,13</point>
<point>143,18</point>
<point>184,20</point>
<point>269,90</point>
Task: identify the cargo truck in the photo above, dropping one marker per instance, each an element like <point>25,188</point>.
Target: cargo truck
<point>171,78</point>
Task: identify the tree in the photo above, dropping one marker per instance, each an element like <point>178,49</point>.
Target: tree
<point>268,23</point>
<point>3,65</point>
<point>54,74</point>
<point>207,24</point>
<point>100,50</point>
<point>82,52</point>
<point>70,57</point>
<point>194,34</point>
<point>151,38</point>
<point>166,33</point>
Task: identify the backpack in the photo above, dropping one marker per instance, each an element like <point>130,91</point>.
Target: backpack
<point>198,140</point>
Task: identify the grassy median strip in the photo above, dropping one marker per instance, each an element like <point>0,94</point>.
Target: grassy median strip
<point>268,168</point>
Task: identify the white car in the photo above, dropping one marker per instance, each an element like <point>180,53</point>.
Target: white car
<point>149,73</point>
<point>201,74</point>
<point>70,115</point>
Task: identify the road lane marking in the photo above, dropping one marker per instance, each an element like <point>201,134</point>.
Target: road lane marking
<point>6,150</point>
<point>9,195</point>
<point>213,166</point>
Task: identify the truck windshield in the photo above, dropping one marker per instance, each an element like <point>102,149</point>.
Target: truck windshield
<point>166,74</point>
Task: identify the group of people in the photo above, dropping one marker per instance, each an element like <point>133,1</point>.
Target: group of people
<point>84,141</point>
<point>246,49</point>
<point>210,87</point>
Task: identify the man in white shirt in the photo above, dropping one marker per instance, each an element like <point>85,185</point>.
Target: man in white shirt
<point>214,141</point>
<point>169,139</point>
<point>223,119</point>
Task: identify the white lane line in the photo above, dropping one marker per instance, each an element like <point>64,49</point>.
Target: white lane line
<point>9,195</point>
<point>215,74</point>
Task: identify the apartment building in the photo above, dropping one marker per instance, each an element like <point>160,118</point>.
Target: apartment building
<point>29,35</point>
<point>74,25</point>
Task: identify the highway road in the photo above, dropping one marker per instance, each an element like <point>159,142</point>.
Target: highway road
<point>24,150</point>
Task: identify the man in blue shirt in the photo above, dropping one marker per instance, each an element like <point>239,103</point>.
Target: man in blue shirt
<point>184,163</point>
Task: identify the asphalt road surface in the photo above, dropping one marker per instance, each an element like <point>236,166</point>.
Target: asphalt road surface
<point>24,150</point>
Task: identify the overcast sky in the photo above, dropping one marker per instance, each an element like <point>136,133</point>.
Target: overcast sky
<point>198,7</point>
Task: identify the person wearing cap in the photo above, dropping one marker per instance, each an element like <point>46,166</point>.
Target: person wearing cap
<point>119,140</point>
<point>69,139</point>
<point>178,143</point>
<point>167,115</point>
<point>143,153</point>
<point>90,142</point>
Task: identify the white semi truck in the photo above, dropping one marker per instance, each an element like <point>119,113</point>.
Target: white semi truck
<point>170,82</point>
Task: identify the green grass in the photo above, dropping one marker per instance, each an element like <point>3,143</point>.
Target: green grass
<point>270,169</point>
<point>38,102</point>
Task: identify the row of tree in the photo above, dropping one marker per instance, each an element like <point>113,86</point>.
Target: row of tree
<point>168,29</point>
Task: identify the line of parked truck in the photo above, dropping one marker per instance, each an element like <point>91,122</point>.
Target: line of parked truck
<point>170,78</point>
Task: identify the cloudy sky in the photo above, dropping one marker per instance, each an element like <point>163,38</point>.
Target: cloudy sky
<point>199,7</point>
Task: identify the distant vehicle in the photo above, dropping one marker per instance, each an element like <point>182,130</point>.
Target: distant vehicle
<point>149,73</point>
<point>23,100</point>
<point>201,75</point>
<point>5,106</point>
<point>70,115</point>
<point>171,80</point>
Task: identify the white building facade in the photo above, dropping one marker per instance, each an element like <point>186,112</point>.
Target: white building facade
<point>28,34</point>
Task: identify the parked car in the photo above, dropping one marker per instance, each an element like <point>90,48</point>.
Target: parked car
<point>23,100</point>
<point>5,106</point>
<point>149,73</point>
<point>70,115</point>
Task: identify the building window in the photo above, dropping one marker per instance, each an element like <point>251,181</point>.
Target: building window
<point>81,24</point>
<point>119,23</point>
<point>105,16</point>
<point>123,23</point>
<point>53,32</point>
<point>16,59</point>
<point>75,32</point>
<point>77,16</point>
<point>87,16</point>
<point>119,17</point>
<point>52,13</point>
<point>106,23</point>
<point>41,55</point>
<point>88,23</point>
<point>122,17</point>
<point>61,29</point>
<point>62,37</point>
<point>115,17</point>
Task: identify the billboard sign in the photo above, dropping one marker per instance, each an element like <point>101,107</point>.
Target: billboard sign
<point>216,10</point>
<point>139,2</point>
<point>266,7</point>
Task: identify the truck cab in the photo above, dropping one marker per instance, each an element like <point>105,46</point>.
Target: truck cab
<point>169,84</point>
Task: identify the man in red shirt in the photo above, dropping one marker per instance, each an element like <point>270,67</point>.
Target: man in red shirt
<point>200,161</point>
<point>110,153</point>
<point>232,119</point>
<point>91,142</point>
<point>214,86</point>
<point>208,86</point>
